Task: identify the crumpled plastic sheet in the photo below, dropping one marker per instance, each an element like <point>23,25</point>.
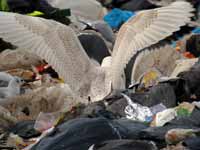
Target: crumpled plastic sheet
<point>177,135</point>
<point>89,9</point>
<point>183,65</point>
<point>136,111</point>
<point>46,121</point>
<point>10,86</point>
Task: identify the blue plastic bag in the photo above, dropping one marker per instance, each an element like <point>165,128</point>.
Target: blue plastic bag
<point>117,17</point>
<point>196,30</point>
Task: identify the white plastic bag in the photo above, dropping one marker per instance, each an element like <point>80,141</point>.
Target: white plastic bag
<point>10,85</point>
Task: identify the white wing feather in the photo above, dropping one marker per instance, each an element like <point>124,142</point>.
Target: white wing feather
<point>144,30</point>
<point>52,41</point>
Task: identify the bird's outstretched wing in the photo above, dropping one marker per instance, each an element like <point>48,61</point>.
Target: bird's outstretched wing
<point>52,41</point>
<point>145,29</point>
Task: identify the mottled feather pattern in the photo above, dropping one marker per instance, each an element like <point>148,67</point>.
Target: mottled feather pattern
<point>52,41</point>
<point>147,28</point>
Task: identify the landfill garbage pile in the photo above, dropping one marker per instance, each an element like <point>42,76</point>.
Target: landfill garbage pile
<point>99,75</point>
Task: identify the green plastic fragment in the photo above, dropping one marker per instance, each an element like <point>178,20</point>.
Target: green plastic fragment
<point>36,13</point>
<point>182,112</point>
<point>4,5</point>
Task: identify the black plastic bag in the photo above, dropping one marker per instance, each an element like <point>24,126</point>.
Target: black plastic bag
<point>25,129</point>
<point>28,6</point>
<point>82,133</point>
<point>135,5</point>
<point>192,143</point>
<point>163,93</point>
<point>125,145</point>
<point>190,83</point>
<point>193,45</point>
<point>94,46</point>
<point>79,134</point>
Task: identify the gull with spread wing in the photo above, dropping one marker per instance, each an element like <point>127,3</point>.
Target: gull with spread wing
<point>60,47</point>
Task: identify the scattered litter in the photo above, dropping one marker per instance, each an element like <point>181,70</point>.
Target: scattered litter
<point>150,78</point>
<point>197,104</point>
<point>137,112</point>
<point>183,65</point>
<point>185,109</point>
<point>175,136</point>
<point>10,86</point>
<point>164,117</point>
<point>158,108</point>
<point>46,121</point>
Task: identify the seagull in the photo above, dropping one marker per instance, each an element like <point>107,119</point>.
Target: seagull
<point>59,46</point>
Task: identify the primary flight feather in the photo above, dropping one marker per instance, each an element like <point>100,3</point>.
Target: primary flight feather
<point>147,28</point>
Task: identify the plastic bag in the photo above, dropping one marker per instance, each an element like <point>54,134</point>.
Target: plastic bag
<point>80,134</point>
<point>163,117</point>
<point>88,9</point>
<point>46,121</point>
<point>124,145</point>
<point>10,86</point>
<point>136,111</point>
<point>117,17</point>
<point>175,136</point>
